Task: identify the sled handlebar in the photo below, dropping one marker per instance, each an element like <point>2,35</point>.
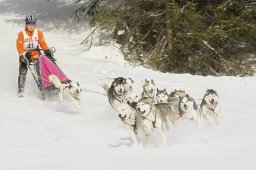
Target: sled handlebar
<point>53,50</point>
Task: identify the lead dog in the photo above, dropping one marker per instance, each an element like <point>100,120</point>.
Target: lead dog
<point>129,117</point>
<point>210,106</point>
<point>159,116</point>
<point>67,90</point>
<point>117,92</point>
<point>189,110</point>
<point>123,101</point>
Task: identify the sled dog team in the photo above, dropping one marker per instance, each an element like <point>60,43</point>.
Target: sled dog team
<point>156,109</point>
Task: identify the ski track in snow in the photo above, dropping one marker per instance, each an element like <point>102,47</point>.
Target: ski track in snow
<point>39,134</point>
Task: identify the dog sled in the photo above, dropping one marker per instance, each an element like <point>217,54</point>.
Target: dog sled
<point>42,68</point>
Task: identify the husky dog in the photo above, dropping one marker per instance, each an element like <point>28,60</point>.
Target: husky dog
<point>162,96</point>
<point>68,90</point>
<point>129,85</point>
<point>210,106</point>
<point>122,100</point>
<point>129,117</point>
<point>116,92</point>
<point>149,89</point>
<point>157,116</point>
<point>174,99</point>
<point>132,99</point>
<point>189,109</point>
<point>176,95</point>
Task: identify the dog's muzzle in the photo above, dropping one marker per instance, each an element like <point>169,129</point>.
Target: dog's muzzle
<point>140,112</point>
<point>122,118</point>
<point>151,90</point>
<point>212,101</point>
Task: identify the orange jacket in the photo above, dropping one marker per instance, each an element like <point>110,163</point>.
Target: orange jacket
<point>20,42</point>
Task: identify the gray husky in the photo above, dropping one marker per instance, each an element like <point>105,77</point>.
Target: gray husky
<point>189,110</point>
<point>149,89</point>
<point>162,96</point>
<point>159,116</point>
<point>210,106</point>
<point>123,101</point>
<point>174,99</point>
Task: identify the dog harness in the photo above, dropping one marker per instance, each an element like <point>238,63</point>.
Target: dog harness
<point>144,117</point>
<point>30,43</point>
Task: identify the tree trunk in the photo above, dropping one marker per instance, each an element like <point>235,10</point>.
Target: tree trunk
<point>168,27</point>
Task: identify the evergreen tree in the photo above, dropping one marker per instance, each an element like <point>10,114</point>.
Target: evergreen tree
<point>205,37</point>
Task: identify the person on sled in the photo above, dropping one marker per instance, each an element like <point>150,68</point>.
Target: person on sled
<point>28,41</point>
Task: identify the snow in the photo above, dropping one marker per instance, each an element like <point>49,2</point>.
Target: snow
<point>120,32</point>
<point>40,135</point>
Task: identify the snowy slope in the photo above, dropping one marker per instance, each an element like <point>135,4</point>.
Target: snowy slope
<point>45,135</point>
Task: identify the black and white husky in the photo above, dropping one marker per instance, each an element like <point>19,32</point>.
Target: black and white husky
<point>210,106</point>
<point>162,96</point>
<point>117,92</point>
<point>123,101</point>
<point>189,110</point>
<point>159,116</point>
<point>67,90</point>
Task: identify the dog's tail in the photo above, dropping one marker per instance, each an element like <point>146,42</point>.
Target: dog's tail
<point>105,87</point>
<point>55,80</point>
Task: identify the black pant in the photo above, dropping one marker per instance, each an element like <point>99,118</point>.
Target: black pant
<point>22,74</point>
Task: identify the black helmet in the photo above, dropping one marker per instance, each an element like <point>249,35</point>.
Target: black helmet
<point>30,19</point>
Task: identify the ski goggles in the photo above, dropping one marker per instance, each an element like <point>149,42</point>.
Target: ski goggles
<point>30,19</point>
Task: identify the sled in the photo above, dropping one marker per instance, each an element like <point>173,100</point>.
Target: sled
<point>42,68</point>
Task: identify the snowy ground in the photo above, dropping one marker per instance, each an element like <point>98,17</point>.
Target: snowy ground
<point>45,135</point>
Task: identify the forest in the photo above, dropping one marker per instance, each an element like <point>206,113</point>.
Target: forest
<point>202,37</point>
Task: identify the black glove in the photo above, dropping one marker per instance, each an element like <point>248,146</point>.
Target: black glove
<point>28,56</point>
<point>48,52</point>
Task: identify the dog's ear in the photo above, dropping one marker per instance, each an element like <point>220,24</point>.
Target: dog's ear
<point>152,81</point>
<point>164,90</point>
<point>216,93</point>
<point>145,82</point>
<point>131,80</point>
<point>124,80</point>
<point>157,89</point>
<point>78,84</point>
<point>187,95</point>
<point>208,91</point>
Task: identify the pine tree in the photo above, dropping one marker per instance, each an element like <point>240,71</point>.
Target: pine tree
<point>182,36</point>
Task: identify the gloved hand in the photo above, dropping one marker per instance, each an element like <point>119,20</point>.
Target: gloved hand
<point>28,56</point>
<point>48,52</point>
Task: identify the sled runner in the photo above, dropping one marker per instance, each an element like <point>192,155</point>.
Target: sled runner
<point>42,68</point>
